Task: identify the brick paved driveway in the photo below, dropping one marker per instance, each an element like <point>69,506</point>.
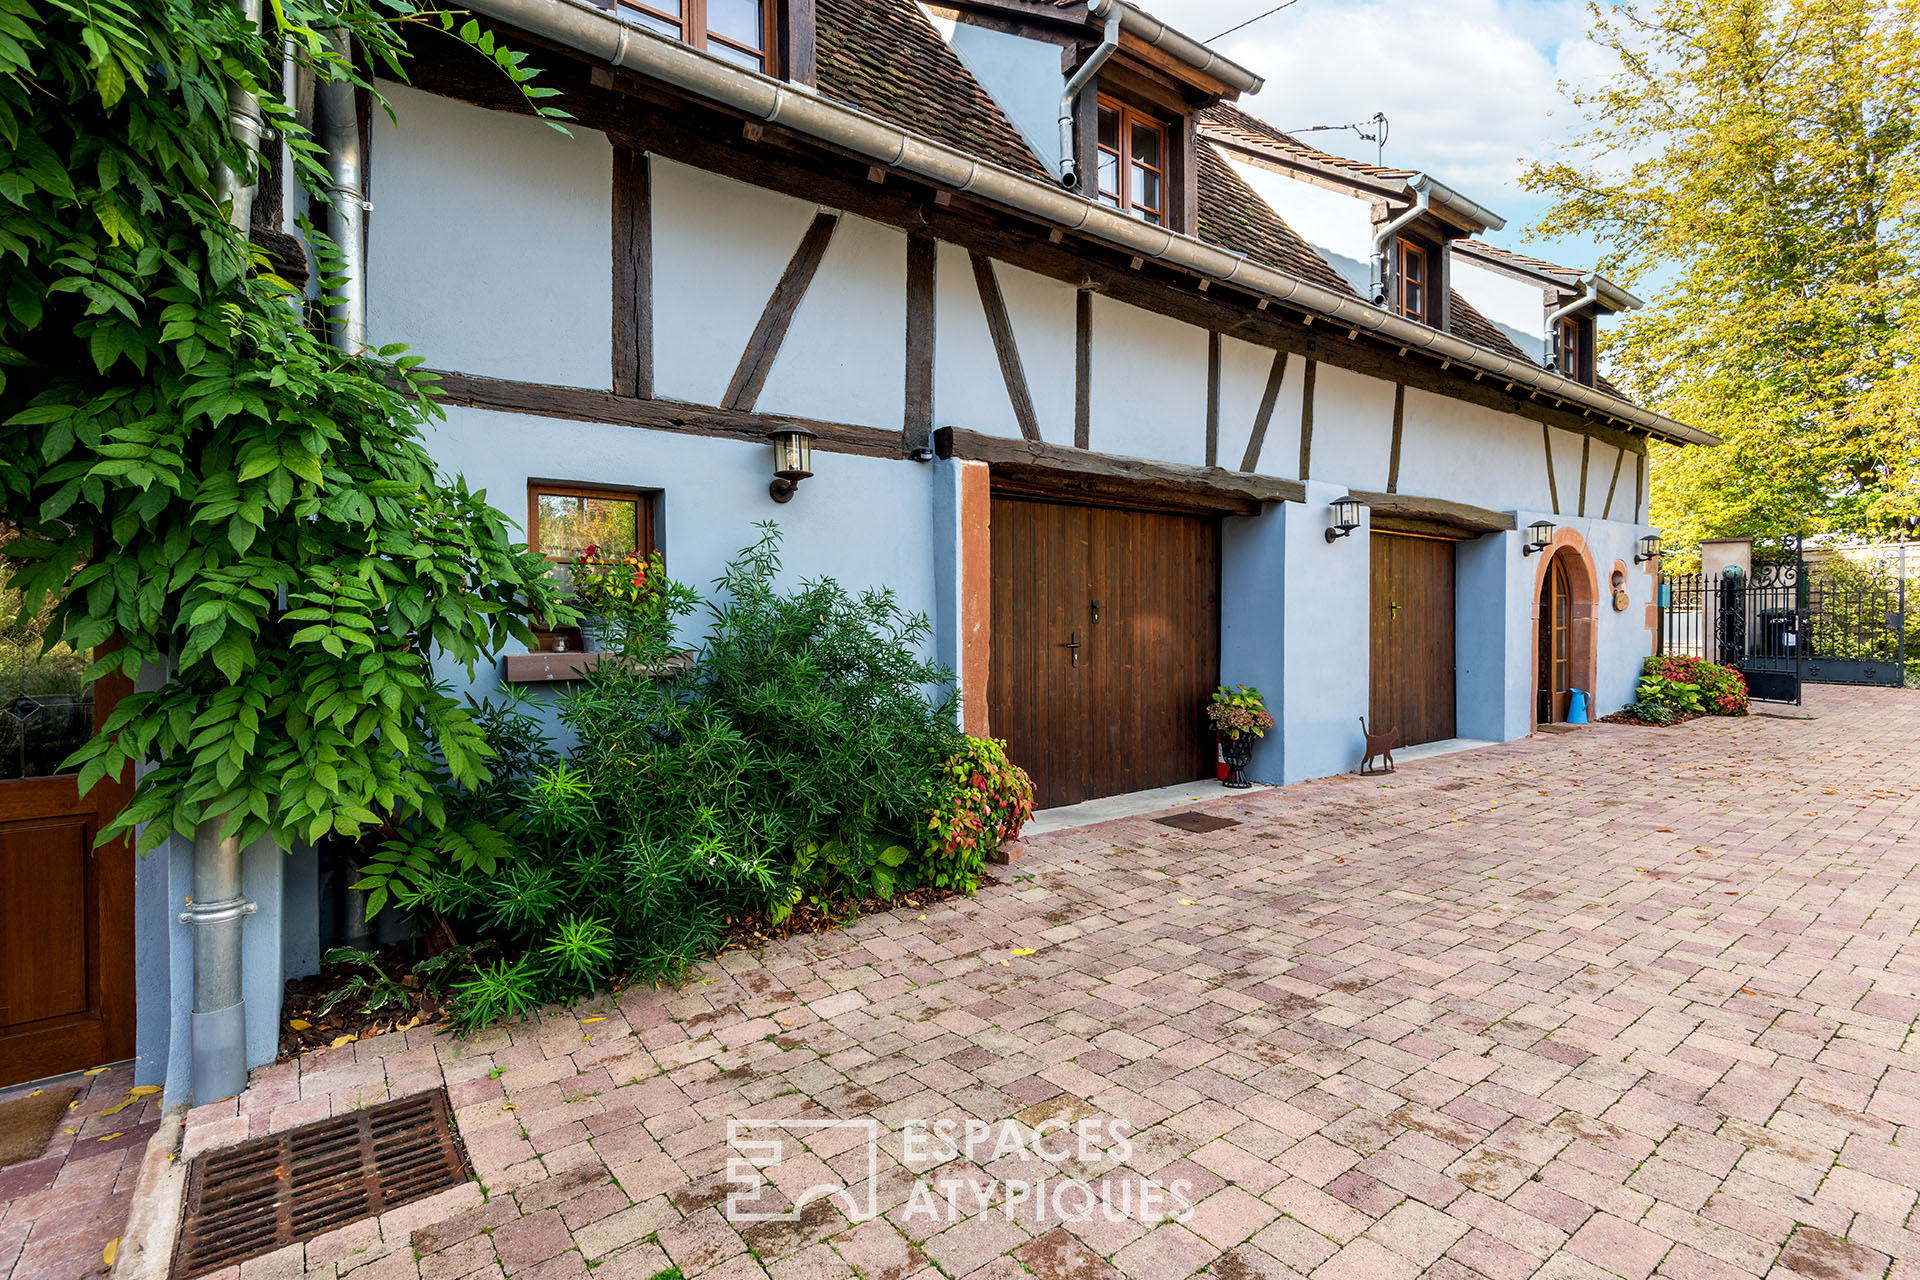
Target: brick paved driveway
<point>1625,1002</point>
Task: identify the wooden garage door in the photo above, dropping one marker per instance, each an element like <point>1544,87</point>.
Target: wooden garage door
<point>1106,646</point>
<point>1412,692</point>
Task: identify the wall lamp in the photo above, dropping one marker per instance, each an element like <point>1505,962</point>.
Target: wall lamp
<point>1649,548</point>
<point>1539,535</point>
<point>792,461</point>
<point>1346,517</point>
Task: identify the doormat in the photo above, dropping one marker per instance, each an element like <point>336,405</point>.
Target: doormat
<point>1560,728</point>
<point>1197,821</point>
<point>26,1123</point>
<point>289,1187</point>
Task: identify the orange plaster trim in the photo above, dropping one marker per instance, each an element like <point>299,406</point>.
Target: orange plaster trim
<point>976,595</point>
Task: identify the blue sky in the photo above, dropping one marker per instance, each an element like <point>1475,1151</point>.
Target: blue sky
<point>1470,87</point>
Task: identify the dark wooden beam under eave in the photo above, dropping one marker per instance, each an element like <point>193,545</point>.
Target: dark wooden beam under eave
<point>578,404</point>
<point>1459,518</point>
<point>1048,470</point>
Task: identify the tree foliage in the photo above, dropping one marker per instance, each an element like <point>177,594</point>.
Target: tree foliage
<point>191,473</point>
<point>1756,162</point>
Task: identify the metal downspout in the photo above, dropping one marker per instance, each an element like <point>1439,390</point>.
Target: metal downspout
<point>218,908</point>
<point>1590,296</point>
<point>216,912</point>
<point>1069,153</point>
<point>1422,200</point>
<point>347,210</point>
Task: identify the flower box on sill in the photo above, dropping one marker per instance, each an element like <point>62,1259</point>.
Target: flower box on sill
<point>560,668</point>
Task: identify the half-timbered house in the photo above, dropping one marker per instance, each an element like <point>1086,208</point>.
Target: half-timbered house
<point>1095,363</point>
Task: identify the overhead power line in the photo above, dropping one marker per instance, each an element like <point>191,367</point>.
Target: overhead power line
<point>1287,4</point>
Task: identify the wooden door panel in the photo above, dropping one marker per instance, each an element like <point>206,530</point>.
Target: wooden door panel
<point>66,908</point>
<point>1139,592</point>
<point>1411,637</point>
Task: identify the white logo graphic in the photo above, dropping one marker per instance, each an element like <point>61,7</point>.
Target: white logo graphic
<point>762,1144</point>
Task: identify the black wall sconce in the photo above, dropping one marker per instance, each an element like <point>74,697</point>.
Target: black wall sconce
<point>1539,534</point>
<point>792,461</point>
<point>1346,517</point>
<point>1649,549</point>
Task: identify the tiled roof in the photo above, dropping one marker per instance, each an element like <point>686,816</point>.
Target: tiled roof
<point>1231,122</point>
<point>1234,217</point>
<point>1468,323</point>
<point>884,57</point>
<point>1521,260</point>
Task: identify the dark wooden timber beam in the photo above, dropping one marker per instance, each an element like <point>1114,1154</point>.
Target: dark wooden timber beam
<point>576,404</point>
<point>1439,511</point>
<point>763,348</point>
<point>921,262</point>
<point>649,116</point>
<point>1035,466</point>
<point>632,274</point>
<point>1004,346</point>
<point>1276,374</point>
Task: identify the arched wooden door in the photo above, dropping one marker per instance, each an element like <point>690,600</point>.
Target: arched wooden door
<point>1556,643</point>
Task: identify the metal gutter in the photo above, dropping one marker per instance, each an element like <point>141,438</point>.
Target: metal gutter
<point>1152,31</point>
<point>1070,96</point>
<point>599,34</point>
<point>1445,197</point>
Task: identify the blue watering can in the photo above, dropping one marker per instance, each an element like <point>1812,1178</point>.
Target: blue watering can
<point>1576,706</point>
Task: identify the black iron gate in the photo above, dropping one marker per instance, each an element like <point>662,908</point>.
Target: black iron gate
<point>1780,627</point>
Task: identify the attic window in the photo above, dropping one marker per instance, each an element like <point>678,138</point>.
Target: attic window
<point>1133,162</point>
<point>1415,282</point>
<point>1566,341</point>
<point>741,31</point>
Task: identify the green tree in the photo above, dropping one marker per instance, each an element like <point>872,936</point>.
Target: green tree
<point>1757,163</point>
<point>191,474</point>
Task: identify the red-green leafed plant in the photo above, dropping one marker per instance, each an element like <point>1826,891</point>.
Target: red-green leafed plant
<point>1239,711</point>
<point>611,584</point>
<point>1687,684</point>
<point>985,799</point>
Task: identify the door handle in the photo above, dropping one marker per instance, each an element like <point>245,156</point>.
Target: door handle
<point>1095,605</point>
<point>1073,646</point>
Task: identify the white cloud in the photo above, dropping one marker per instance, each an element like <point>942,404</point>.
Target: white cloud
<point>1470,86</point>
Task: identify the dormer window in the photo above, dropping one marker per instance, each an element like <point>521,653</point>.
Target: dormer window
<point>738,30</point>
<point>1414,282</point>
<point>1133,159</point>
<point>1567,341</point>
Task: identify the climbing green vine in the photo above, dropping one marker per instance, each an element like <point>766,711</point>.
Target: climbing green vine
<point>196,486</point>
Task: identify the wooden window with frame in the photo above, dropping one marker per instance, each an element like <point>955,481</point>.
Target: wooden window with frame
<point>1413,275</point>
<point>563,520</point>
<point>741,31</point>
<point>1567,343</point>
<point>1132,161</point>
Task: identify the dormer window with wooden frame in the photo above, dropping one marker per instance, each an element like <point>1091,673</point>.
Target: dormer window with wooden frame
<point>1134,159</point>
<point>1569,349</point>
<point>771,36</point>
<point>1414,281</point>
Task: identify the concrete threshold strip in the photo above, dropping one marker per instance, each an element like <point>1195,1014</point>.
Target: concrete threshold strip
<point>160,1192</point>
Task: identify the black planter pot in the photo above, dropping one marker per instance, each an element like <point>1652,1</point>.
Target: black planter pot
<point>1238,753</point>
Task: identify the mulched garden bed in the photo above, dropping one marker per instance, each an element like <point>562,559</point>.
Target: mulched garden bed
<point>303,1028</point>
<point>1621,717</point>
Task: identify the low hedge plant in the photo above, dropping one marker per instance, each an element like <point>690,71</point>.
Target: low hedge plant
<point>1689,686</point>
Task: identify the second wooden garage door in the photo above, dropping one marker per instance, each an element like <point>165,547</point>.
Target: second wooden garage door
<point>1411,655</point>
<point>1106,646</point>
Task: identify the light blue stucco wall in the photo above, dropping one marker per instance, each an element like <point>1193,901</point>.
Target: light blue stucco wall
<point>868,522</point>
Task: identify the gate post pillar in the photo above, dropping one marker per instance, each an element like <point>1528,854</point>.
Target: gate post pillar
<point>1716,554</point>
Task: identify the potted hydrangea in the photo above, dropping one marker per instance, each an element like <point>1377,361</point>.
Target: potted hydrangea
<point>1240,717</point>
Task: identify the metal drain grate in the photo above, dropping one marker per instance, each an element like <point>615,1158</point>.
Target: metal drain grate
<point>1197,821</point>
<point>268,1192</point>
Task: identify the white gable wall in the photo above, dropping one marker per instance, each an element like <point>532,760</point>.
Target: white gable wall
<point>1338,226</point>
<point>1352,428</point>
<point>1465,453</point>
<point>1023,76</point>
<point>490,244</point>
<point>1517,305</point>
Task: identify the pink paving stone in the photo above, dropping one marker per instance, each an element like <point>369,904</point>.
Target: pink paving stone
<point>1619,1246</point>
